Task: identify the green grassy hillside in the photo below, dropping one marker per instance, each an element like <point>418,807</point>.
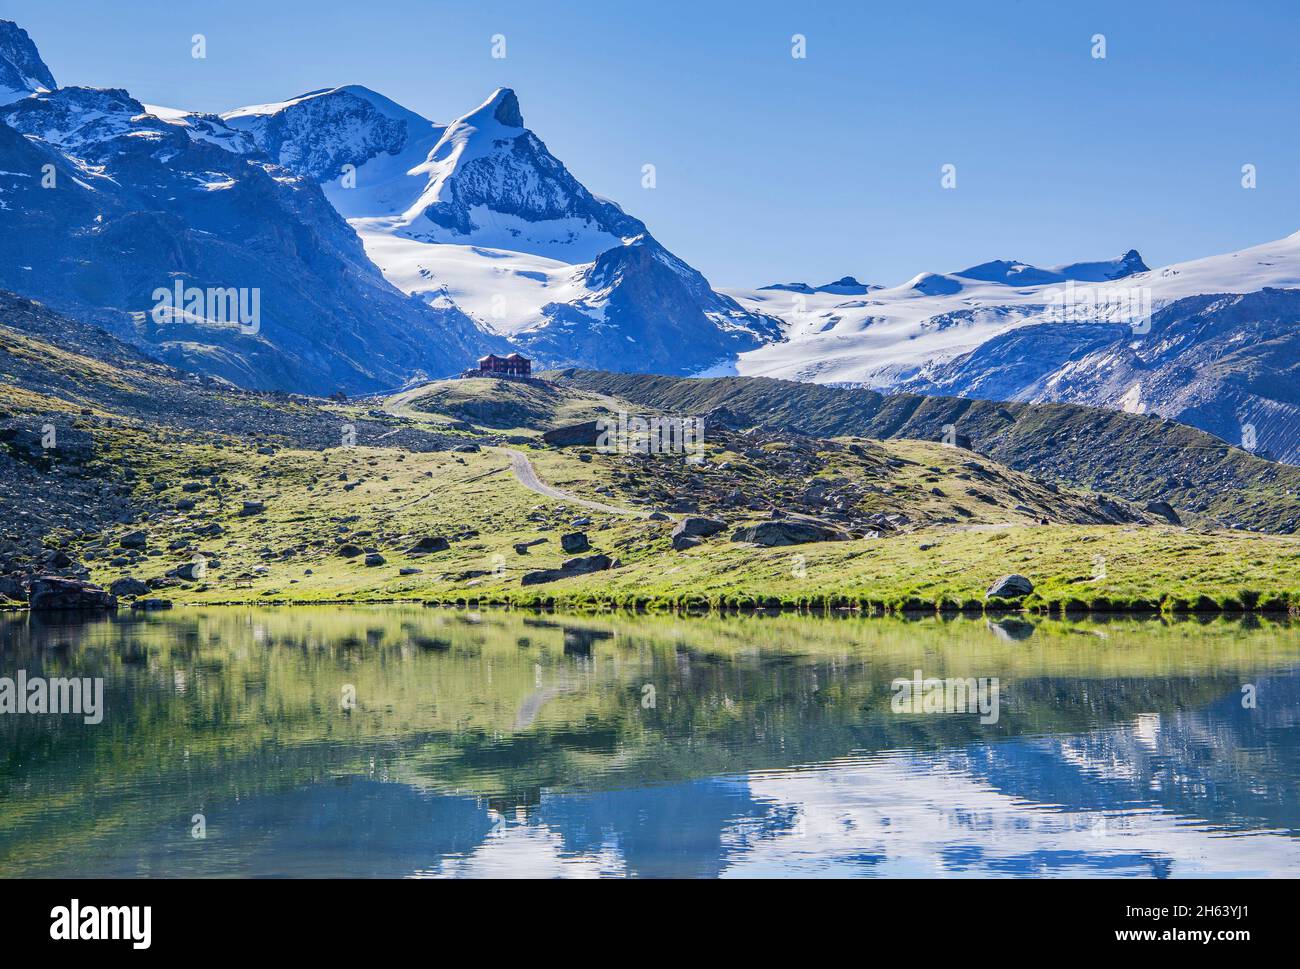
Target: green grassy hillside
<point>1139,458</point>
<point>287,499</point>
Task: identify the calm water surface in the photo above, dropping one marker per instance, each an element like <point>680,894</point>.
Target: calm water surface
<point>402,741</point>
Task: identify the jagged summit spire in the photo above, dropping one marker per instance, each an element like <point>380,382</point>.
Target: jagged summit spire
<point>503,106</point>
<point>22,72</point>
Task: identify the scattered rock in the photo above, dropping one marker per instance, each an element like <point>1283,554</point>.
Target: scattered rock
<point>135,540</point>
<point>374,559</point>
<point>349,551</point>
<point>253,508</point>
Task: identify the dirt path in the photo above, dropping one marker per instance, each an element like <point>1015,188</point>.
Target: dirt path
<point>527,476</point>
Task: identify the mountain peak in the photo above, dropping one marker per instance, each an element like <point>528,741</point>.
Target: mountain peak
<point>1130,263</point>
<point>22,72</point>
<point>503,106</point>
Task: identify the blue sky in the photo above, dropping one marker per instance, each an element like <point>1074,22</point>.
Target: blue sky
<point>777,169</point>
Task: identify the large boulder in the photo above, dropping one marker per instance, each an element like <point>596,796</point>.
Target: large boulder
<point>428,545</point>
<point>50,593</point>
<point>56,558</point>
<point>574,435</point>
<point>569,568</point>
<point>136,540</point>
<point>194,571</point>
<point>348,550</point>
<point>12,588</point>
<point>374,559</point>
<point>1010,587</point>
<point>1165,511</point>
<point>128,587</point>
<point>693,526</point>
<point>788,531</point>
<point>575,542</point>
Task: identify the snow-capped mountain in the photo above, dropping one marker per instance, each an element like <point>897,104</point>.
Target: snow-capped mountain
<point>479,214</point>
<point>1210,342</point>
<point>850,332</point>
<point>105,203</point>
<point>22,72</point>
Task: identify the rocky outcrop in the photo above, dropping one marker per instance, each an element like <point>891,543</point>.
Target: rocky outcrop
<point>569,569</point>
<point>788,531</point>
<point>695,526</point>
<point>574,435</point>
<point>12,588</point>
<point>50,593</point>
<point>1165,511</point>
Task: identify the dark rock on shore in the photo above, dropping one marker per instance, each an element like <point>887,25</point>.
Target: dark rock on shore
<point>152,605</point>
<point>12,589</point>
<point>128,587</point>
<point>50,593</point>
<point>1010,587</point>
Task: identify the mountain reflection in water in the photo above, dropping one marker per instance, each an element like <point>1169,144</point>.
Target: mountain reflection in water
<point>501,743</point>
